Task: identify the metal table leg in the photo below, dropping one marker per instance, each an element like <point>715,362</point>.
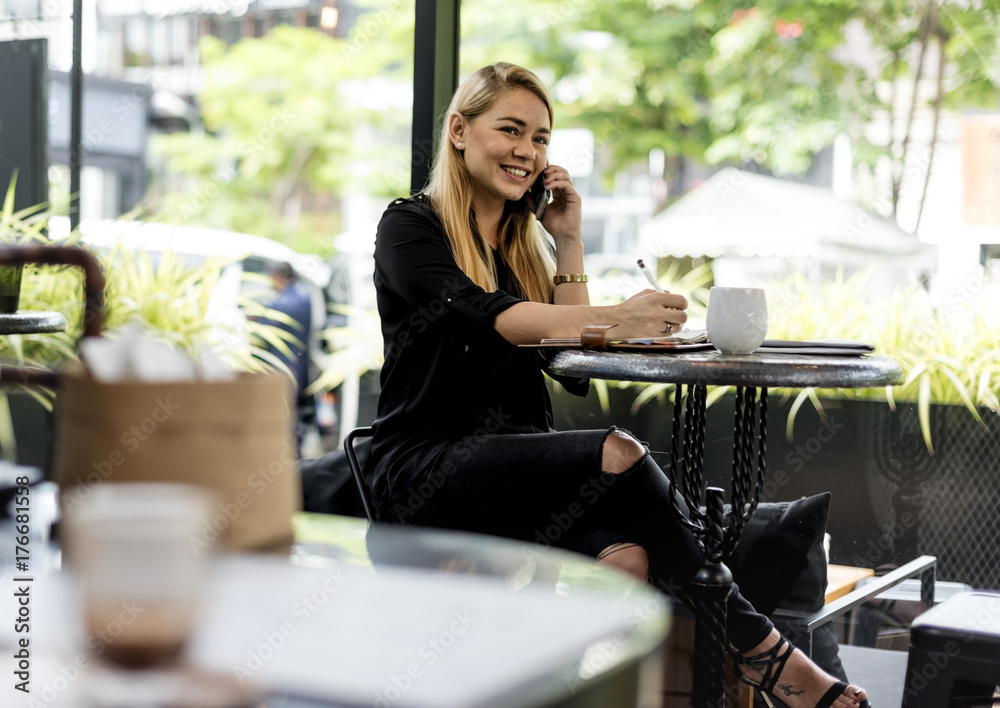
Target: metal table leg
<point>713,583</point>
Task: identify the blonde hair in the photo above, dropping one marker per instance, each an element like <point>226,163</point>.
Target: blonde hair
<point>521,242</point>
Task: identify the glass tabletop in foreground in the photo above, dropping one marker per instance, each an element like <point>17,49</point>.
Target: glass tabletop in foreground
<point>395,616</point>
<point>586,625</point>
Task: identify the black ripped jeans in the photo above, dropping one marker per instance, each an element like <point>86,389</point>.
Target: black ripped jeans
<point>549,489</point>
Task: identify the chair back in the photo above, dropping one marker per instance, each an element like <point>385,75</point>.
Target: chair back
<point>367,497</point>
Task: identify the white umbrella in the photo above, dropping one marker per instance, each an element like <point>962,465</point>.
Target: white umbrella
<point>737,213</point>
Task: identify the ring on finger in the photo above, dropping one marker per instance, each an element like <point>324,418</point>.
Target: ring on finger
<point>669,329</point>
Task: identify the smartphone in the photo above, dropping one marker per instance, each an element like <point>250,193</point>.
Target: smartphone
<point>540,196</point>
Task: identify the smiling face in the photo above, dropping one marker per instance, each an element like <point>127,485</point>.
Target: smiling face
<point>504,147</point>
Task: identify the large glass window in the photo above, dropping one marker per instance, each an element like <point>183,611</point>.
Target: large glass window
<point>845,157</point>
<point>306,134</point>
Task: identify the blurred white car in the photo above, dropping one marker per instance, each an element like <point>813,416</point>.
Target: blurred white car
<point>245,253</point>
<point>194,245</point>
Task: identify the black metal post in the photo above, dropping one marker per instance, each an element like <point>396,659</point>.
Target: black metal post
<point>711,587</point>
<point>76,116</point>
<point>24,128</point>
<point>435,78</point>
<point>712,584</point>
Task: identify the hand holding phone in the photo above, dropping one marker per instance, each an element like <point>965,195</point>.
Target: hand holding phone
<point>540,196</point>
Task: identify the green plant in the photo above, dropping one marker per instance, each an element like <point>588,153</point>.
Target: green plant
<point>24,226</point>
<point>950,358</point>
<point>16,228</point>
<point>357,348</point>
<point>172,302</point>
<point>20,228</point>
<point>169,301</point>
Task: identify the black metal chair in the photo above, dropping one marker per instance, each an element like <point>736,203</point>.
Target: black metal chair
<point>367,497</point>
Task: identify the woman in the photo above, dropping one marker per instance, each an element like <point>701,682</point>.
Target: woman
<point>463,437</point>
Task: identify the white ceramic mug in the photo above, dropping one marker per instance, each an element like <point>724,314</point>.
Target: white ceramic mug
<point>737,319</point>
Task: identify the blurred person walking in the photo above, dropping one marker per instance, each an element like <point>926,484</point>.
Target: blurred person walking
<point>292,300</point>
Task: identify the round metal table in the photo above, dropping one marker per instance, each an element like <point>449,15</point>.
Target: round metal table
<point>29,322</point>
<point>715,369</point>
<point>717,532</point>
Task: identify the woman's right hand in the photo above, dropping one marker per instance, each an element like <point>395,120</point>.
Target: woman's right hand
<point>648,314</point>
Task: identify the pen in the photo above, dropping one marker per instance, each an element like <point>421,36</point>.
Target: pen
<point>649,276</point>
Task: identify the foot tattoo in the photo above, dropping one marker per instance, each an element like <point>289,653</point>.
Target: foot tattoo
<point>787,690</point>
<point>770,663</point>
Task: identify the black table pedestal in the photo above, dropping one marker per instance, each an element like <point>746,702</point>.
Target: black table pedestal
<point>712,584</point>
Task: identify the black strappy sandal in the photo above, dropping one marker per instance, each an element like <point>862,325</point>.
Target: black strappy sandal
<point>769,664</point>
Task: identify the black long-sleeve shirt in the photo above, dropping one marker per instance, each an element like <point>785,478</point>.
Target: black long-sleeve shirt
<point>447,373</point>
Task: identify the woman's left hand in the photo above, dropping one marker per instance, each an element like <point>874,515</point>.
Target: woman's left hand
<point>563,217</point>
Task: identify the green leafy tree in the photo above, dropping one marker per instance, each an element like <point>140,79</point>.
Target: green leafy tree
<point>767,85</point>
<point>282,117</point>
<point>712,80</point>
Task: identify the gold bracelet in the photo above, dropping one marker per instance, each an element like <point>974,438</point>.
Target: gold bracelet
<point>571,278</point>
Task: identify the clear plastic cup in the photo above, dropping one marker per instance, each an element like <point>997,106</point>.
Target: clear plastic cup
<point>135,548</point>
